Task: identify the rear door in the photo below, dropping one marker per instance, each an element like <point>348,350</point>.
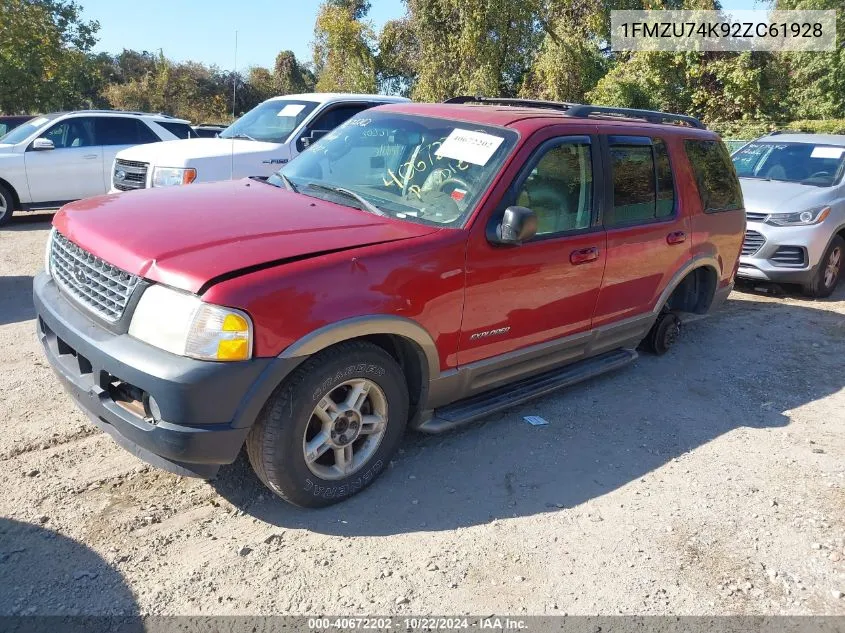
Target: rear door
<point>648,232</point>
<point>70,171</point>
<point>545,289</point>
<point>116,133</point>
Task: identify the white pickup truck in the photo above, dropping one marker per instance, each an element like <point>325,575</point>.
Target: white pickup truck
<point>257,144</point>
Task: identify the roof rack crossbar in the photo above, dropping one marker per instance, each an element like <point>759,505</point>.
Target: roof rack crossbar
<point>506,101</point>
<point>652,116</point>
<point>583,111</point>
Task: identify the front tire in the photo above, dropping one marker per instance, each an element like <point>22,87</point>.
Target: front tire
<point>828,272</point>
<point>331,428</point>
<point>7,205</point>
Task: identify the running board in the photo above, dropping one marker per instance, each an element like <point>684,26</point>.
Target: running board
<point>475,407</point>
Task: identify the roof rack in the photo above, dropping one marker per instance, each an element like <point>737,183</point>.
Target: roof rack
<point>107,111</point>
<point>583,111</point>
<point>516,103</point>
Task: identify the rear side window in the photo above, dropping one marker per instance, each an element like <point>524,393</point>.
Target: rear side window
<point>123,131</point>
<point>179,130</point>
<point>340,114</point>
<point>643,186</point>
<point>714,172</point>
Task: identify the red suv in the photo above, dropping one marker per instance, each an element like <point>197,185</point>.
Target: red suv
<point>423,265</point>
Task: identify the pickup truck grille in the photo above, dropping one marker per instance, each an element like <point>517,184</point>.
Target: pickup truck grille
<point>100,287</point>
<point>129,174</point>
<point>753,242</point>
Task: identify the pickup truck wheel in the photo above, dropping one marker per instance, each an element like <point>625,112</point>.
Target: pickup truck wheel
<point>332,427</point>
<point>7,205</point>
<point>663,334</point>
<point>829,270</point>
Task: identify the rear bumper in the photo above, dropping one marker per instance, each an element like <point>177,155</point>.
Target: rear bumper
<point>207,408</point>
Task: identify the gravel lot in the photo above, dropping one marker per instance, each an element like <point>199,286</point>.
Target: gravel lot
<point>709,481</point>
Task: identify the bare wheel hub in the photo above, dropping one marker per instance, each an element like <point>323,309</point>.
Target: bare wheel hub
<point>345,429</point>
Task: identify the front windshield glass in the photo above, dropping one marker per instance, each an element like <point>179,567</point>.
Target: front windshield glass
<point>24,131</point>
<point>271,121</point>
<point>420,169</point>
<point>805,163</point>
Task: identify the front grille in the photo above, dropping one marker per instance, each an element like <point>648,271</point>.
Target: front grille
<point>100,287</point>
<point>133,174</point>
<point>789,256</point>
<point>753,242</point>
<point>751,216</point>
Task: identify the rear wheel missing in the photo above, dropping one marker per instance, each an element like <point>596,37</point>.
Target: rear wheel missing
<point>663,334</point>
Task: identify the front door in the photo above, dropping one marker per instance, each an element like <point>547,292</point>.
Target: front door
<point>70,171</point>
<point>544,290</point>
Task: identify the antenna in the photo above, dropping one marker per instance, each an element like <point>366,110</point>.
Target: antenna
<point>234,101</point>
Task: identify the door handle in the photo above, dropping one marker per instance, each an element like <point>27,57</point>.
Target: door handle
<point>90,156</point>
<point>584,255</point>
<point>676,237</point>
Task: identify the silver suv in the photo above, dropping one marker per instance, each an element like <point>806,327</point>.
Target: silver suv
<point>64,156</point>
<point>795,206</point>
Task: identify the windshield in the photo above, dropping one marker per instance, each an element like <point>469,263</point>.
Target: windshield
<point>805,163</point>
<point>271,121</point>
<point>22,132</point>
<point>421,169</point>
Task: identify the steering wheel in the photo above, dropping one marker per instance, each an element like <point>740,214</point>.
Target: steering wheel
<point>818,174</point>
<point>459,182</point>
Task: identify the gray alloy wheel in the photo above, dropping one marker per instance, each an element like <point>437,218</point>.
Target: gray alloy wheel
<point>832,266</point>
<point>345,429</point>
<point>829,270</point>
<point>6,205</point>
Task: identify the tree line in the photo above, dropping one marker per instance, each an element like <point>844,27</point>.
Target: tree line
<point>547,49</point>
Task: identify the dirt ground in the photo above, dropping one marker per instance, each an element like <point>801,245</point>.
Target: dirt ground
<point>708,481</point>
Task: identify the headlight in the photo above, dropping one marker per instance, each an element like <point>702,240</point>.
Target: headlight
<point>184,324</point>
<point>801,218</point>
<point>48,251</point>
<point>172,176</point>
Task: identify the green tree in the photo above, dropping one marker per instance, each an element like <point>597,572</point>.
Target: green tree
<point>291,77</point>
<point>343,49</point>
<point>398,57</point>
<point>42,44</point>
<point>816,79</point>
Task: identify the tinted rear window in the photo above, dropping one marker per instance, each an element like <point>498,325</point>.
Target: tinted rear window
<point>714,172</point>
<point>179,130</point>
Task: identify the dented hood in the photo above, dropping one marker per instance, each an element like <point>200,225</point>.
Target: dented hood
<point>187,236</point>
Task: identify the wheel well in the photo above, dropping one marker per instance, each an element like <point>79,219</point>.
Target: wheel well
<point>695,292</point>
<point>411,359</point>
<point>842,233</point>
<point>15,198</point>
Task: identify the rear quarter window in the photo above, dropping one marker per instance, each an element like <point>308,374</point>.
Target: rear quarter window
<point>715,175</point>
<point>179,130</point>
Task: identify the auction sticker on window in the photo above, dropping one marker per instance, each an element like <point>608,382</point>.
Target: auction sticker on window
<point>291,109</point>
<point>827,152</point>
<point>468,146</point>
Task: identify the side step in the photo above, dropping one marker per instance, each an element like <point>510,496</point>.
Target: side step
<point>475,407</point>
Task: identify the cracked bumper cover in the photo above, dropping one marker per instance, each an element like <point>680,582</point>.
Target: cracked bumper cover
<point>207,408</point>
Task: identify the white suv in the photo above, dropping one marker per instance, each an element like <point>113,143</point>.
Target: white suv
<point>66,156</point>
<point>257,144</point>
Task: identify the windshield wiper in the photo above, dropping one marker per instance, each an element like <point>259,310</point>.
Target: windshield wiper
<point>288,183</point>
<point>365,204</point>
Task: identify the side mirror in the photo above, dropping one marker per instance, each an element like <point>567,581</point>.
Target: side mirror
<point>309,139</point>
<point>518,225</point>
<point>42,144</point>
